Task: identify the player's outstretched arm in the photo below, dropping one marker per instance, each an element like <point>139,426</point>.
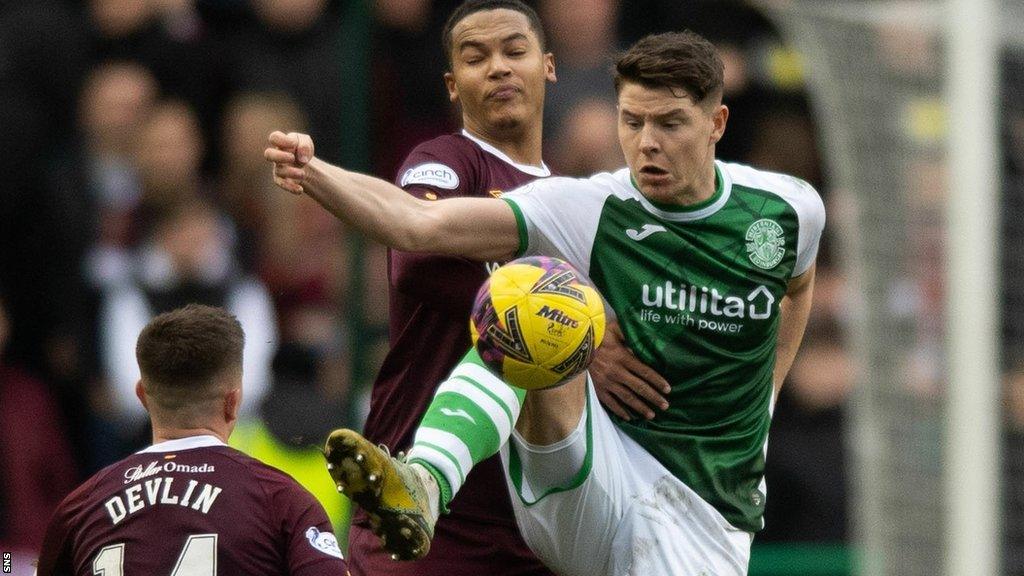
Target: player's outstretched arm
<point>479,228</point>
<point>796,308</point>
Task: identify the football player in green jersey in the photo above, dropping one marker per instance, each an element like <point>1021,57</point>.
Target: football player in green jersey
<point>708,267</point>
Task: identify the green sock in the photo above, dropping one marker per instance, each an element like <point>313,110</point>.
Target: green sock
<point>472,414</point>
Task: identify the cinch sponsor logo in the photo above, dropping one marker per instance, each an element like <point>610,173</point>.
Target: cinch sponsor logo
<point>436,173</point>
<point>431,174</point>
<point>557,316</point>
<point>757,305</point>
<point>153,468</point>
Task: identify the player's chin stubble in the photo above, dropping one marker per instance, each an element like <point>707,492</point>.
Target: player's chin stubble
<point>506,120</point>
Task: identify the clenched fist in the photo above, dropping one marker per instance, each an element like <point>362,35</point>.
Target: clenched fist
<point>290,154</point>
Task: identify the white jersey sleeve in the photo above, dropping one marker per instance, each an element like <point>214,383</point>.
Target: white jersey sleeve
<point>811,212</point>
<point>803,198</point>
<point>559,216</point>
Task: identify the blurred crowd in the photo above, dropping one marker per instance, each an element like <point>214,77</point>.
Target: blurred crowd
<point>134,130</point>
<point>1012,264</point>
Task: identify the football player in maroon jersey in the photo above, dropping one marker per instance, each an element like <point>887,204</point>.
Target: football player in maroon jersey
<point>498,71</point>
<point>189,504</point>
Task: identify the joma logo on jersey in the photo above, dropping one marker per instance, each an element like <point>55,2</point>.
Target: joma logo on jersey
<point>757,305</point>
<point>557,316</point>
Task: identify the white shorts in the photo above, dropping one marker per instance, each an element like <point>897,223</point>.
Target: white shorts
<point>623,513</point>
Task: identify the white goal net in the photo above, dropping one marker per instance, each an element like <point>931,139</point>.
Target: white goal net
<point>927,480</point>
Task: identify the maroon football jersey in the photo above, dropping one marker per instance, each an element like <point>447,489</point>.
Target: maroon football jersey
<point>190,507</point>
<point>430,300</point>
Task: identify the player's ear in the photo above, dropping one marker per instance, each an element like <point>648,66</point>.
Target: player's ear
<point>549,67</point>
<point>453,88</point>
<point>140,393</point>
<point>720,116</point>
<point>232,403</point>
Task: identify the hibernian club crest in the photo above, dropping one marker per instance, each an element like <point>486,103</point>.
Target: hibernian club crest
<point>765,243</point>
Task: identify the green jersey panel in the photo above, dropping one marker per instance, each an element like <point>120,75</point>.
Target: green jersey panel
<point>697,294</point>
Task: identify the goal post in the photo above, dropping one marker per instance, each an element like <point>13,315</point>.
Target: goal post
<point>905,97</point>
<point>972,421</point>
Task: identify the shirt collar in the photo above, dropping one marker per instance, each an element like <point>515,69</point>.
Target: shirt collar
<point>189,443</point>
<point>541,171</point>
<point>723,190</point>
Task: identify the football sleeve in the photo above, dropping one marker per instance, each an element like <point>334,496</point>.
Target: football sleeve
<point>436,170</point>
<point>559,217</point>
<point>312,548</point>
<point>811,213</point>
<point>433,175</point>
<point>55,554</point>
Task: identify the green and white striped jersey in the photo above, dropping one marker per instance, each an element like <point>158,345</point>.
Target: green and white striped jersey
<point>696,291</point>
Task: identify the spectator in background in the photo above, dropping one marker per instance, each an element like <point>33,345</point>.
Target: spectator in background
<point>99,189</point>
<point>588,140</point>
<point>806,463</point>
<point>1013,468</point>
<point>44,57</point>
<point>167,38</point>
<point>408,104</point>
<point>298,47</point>
<point>168,150</point>
<point>783,139</point>
<point>584,37</point>
<point>299,409</point>
<point>118,97</point>
<point>186,257</point>
<point>36,465</point>
<point>247,117</point>
<point>296,249</point>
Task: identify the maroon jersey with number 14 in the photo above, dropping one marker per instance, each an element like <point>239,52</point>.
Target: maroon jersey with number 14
<point>192,506</point>
<point>430,300</point>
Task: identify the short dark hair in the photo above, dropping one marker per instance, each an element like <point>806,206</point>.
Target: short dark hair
<point>182,353</point>
<point>683,60</point>
<point>470,7</point>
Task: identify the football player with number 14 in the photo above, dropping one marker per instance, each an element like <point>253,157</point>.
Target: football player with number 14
<point>190,505</point>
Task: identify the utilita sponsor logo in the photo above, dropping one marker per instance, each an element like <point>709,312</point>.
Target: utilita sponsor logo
<point>153,468</point>
<point>757,305</point>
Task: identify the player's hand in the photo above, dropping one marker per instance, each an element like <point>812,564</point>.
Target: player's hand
<point>624,384</point>
<point>289,153</point>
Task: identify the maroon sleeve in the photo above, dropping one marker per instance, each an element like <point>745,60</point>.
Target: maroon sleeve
<point>312,548</point>
<point>424,174</point>
<point>55,554</point>
<point>427,277</point>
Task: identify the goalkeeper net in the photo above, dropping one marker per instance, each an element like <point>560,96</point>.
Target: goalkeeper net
<point>878,76</point>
